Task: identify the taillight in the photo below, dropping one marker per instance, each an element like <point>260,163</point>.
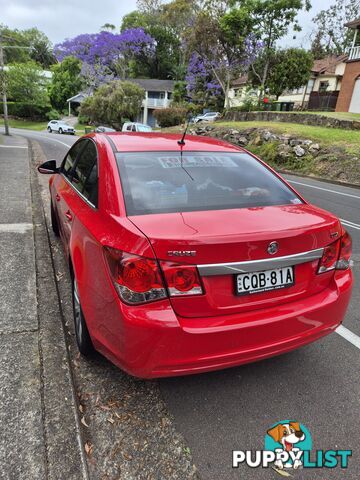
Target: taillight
<point>181,279</point>
<point>330,257</point>
<point>136,279</point>
<point>336,255</point>
<point>345,252</point>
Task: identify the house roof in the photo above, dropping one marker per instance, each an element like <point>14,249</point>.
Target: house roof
<point>79,97</point>
<point>327,64</point>
<point>153,84</point>
<point>353,24</point>
<point>240,81</point>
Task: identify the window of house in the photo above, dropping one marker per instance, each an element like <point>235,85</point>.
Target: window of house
<point>310,85</point>
<point>323,86</point>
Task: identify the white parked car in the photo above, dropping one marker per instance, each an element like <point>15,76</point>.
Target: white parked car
<point>136,127</point>
<point>207,117</point>
<point>102,129</point>
<point>60,127</point>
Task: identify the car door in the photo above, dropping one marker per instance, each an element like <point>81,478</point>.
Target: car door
<point>80,194</point>
<point>62,189</point>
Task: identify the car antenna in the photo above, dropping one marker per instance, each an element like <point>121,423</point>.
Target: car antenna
<point>182,143</point>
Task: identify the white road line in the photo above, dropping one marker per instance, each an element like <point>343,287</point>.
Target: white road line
<point>346,223</point>
<point>51,139</point>
<point>15,227</point>
<point>325,189</point>
<point>349,221</point>
<point>348,335</point>
<point>11,146</point>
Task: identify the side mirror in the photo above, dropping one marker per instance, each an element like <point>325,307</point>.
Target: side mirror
<point>48,167</point>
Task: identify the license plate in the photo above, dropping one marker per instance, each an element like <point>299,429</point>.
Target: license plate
<point>257,282</point>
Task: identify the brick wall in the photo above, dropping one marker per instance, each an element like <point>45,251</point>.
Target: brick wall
<point>352,71</point>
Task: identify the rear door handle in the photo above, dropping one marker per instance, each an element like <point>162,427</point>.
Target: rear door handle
<point>68,215</point>
<point>57,196</point>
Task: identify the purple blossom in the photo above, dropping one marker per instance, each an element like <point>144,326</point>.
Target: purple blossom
<point>220,63</point>
<point>96,75</point>
<point>106,48</point>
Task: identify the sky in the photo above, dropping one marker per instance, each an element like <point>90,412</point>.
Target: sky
<point>60,19</point>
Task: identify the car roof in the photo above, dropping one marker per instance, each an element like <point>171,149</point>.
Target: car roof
<point>157,141</point>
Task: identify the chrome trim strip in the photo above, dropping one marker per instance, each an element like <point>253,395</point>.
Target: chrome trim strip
<point>259,265</point>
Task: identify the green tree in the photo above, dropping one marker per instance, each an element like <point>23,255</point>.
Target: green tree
<point>27,88</point>
<point>334,37</point>
<point>108,26</point>
<point>167,46</point>
<point>317,46</point>
<point>217,55</point>
<point>114,102</point>
<point>268,20</point>
<point>40,48</point>
<point>288,69</point>
<point>66,81</point>
<point>180,92</point>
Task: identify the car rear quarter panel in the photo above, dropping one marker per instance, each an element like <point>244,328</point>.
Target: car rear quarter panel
<point>92,229</point>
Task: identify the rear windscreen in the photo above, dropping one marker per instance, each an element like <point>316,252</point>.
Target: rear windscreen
<point>163,182</point>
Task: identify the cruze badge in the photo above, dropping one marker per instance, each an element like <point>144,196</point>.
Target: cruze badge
<point>181,253</point>
<point>273,247</point>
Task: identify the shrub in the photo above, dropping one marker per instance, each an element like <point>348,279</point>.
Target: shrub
<point>26,110</point>
<point>170,117</point>
<point>83,119</point>
<point>113,102</point>
<point>52,114</point>
<point>248,105</point>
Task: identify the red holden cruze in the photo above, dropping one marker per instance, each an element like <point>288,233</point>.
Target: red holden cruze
<point>190,257</point>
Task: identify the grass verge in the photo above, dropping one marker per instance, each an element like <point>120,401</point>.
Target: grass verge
<point>348,139</point>
<point>27,124</point>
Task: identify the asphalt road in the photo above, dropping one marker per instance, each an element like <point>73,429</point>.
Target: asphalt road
<point>316,385</point>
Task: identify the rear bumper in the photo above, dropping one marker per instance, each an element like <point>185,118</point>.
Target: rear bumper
<point>157,343</point>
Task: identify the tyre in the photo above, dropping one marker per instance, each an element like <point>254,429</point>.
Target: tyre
<point>60,130</point>
<point>83,339</point>
<point>54,222</point>
<point>49,130</point>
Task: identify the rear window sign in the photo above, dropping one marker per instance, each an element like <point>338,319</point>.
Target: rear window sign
<point>197,161</point>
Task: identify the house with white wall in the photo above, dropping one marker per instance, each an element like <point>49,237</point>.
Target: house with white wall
<point>323,87</point>
<point>349,97</point>
<point>241,90</point>
<point>320,92</point>
<point>158,94</point>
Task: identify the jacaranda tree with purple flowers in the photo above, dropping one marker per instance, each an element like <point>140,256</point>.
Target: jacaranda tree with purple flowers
<point>217,55</point>
<point>107,49</point>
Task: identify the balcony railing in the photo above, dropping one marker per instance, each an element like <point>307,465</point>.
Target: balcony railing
<point>156,102</point>
<point>354,53</point>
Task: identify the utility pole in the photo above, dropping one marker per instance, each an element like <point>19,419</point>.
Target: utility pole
<point>3,87</point>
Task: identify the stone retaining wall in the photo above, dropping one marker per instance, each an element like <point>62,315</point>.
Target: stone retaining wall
<point>292,117</point>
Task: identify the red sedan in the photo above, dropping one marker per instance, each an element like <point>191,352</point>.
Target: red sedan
<point>192,256</point>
